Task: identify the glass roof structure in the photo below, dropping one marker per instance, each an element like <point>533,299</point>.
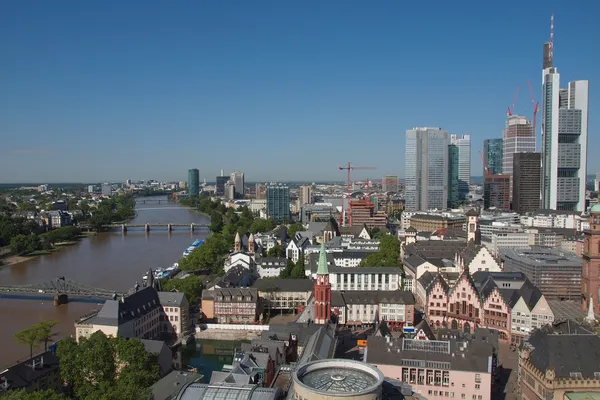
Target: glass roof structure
<point>341,380</point>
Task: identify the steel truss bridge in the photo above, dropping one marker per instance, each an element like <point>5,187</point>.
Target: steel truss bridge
<point>61,287</point>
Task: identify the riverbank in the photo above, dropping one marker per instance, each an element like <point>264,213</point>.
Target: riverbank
<point>12,260</point>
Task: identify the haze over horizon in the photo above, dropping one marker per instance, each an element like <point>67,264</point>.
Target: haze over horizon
<point>278,90</point>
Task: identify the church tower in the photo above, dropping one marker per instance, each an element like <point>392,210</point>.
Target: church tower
<point>590,282</point>
<point>473,233</point>
<point>322,290</point>
<point>251,244</point>
<point>237,243</point>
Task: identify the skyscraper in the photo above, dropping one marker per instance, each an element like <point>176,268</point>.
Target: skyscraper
<point>493,150</point>
<point>453,185</point>
<point>518,138</point>
<point>389,183</point>
<point>426,169</point>
<point>238,180</point>
<point>220,186</point>
<point>496,192</point>
<point>564,138</point>
<point>278,203</point>
<point>463,143</point>
<point>304,195</point>
<point>193,182</point>
<point>527,176</point>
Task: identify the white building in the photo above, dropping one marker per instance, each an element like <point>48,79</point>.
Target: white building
<point>564,139</point>
<point>463,142</point>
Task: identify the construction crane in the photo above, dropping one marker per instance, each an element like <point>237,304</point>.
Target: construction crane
<point>536,107</point>
<point>485,167</point>
<point>349,168</point>
<point>511,108</point>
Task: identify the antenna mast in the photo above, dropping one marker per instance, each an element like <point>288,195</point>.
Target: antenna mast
<point>551,55</point>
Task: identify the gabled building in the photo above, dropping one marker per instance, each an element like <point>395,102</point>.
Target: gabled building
<point>476,257</point>
<point>295,249</point>
<point>366,308</point>
<point>232,305</point>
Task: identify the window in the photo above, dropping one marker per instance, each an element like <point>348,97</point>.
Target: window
<point>462,396</point>
<point>477,387</point>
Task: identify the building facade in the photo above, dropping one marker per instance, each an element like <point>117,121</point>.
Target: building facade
<point>453,181</point>
<point>322,290</point>
<point>237,178</point>
<point>590,282</point>
<point>493,150</point>
<point>193,182</point>
<point>278,203</point>
<point>527,182</point>
<point>304,195</point>
<point>220,186</point>
<point>496,191</point>
<point>463,143</point>
<point>426,171</point>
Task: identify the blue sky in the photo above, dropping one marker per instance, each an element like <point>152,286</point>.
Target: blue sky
<point>283,90</point>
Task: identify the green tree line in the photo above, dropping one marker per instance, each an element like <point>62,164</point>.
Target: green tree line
<point>114,210</point>
<point>387,256</point>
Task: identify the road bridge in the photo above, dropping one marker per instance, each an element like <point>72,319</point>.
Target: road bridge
<point>62,289</point>
<point>151,201</point>
<point>168,227</point>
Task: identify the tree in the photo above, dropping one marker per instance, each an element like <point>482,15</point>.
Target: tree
<point>191,287</point>
<point>107,368</point>
<point>216,221</point>
<point>45,332</point>
<point>387,256</point>
<point>261,225</point>
<point>276,251</point>
<point>298,270</point>
<point>294,228</point>
<point>209,256</point>
<point>18,244</point>
<point>23,394</point>
<point>29,336</point>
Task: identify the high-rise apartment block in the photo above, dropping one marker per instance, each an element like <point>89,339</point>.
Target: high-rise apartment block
<point>304,195</point>
<point>426,169</point>
<point>193,182</point>
<point>564,139</point>
<point>260,190</point>
<point>238,181</point>
<point>518,138</point>
<point>496,192</point>
<point>278,203</point>
<point>493,150</point>
<point>463,143</point>
<point>453,185</point>
<point>389,183</point>
<point>527,175</point>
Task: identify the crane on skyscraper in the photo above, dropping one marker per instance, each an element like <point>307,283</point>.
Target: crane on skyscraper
<point>349,168</point>
<point>485,167</point>
<point>536,107</point>
<point>511,108</point>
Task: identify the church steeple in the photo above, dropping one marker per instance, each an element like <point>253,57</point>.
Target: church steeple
<point>322,290</point>
<point>237,243</point>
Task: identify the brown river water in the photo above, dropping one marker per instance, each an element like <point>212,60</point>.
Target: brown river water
<point>108,260</point>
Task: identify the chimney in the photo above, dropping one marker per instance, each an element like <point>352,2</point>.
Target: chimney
<point>123,299</point>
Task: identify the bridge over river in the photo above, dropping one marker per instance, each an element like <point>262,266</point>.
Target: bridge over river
<point>61,288</point>
<point>169,227</point>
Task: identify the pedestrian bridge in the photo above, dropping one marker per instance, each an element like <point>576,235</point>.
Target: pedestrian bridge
<point>168,227</point>
<point>62,289</point>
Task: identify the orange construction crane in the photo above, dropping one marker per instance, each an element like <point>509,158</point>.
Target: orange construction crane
<point>536,107</point>
<point>511,108</point>
<point>349,168</point>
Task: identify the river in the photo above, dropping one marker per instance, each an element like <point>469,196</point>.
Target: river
<point>109,260</point>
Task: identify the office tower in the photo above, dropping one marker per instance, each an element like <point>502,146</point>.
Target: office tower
<point>453,185</point>
<point>261,191</point>
<point>91,188</point>
<point>518,138</point>
<point>238,180</point>
<point>496,192</point>
<point>526,182</point>
<point>278,203</point>
<point>492,156</point>
<point>304,195</point>
<point>597,182</point>
<point>229,191</point>
<point>193,182</point>
<point>220,186</point>
<point>426,169</point>
<point>389,183</point>
<point>463,142</point>
<point>564,138</point>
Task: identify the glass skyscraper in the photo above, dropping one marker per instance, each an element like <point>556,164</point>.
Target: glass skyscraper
<point>278,203</point>
<point>492,155</point>
<point>453,185</point>
<point>463,143</point>
<point>193,182</point>
<point>426,169</point>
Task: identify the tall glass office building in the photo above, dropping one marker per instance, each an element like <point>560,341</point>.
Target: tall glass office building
<point>426,171</point>
<point>278,203</point>
<point>453,182</point>
<point>493,149</point>
<point>193,182</point>
<point>463,143</point>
